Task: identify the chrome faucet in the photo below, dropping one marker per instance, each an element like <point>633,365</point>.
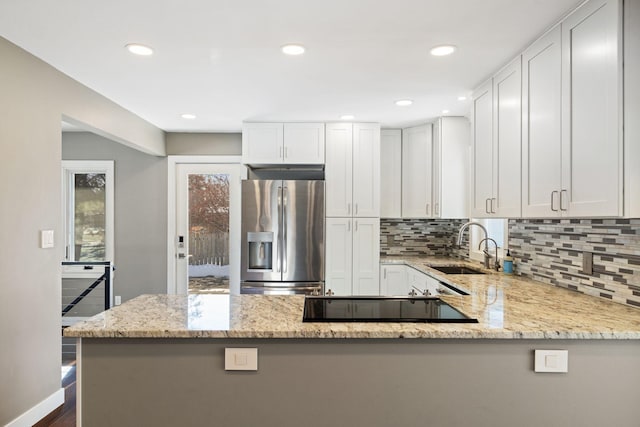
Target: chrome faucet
<point>487,257</point>
<point>496,263</point>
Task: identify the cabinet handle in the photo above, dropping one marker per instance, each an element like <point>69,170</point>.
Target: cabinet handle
<point>385,273</point>
<point>356,209</point>
<point>552,198</point>
<point>348,225</point>
<point>561,199</point>
<point>355,223</point>
<point>492,211</point>
<point>486,205</point>
<point>428,211</point>
<point>437,208</point>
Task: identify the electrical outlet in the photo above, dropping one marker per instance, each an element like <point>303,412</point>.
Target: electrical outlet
<point>117,300</point>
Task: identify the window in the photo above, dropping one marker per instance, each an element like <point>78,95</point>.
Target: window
<point>497,230</point>
<point>88,210</point>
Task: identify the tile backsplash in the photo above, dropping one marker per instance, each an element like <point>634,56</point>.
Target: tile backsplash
<point>552,250</point>
<point>433,237</point>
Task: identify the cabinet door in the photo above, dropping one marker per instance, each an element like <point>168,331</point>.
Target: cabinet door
<point>366,170</point>
<point>262,143</point>
<point>481,151</point>
<point>366,256</point>
<point>417,159</point>
<point>507,137</point>
<point>338,171</point>
<point>304,143</point>
<point>393,280</point>
<point>592,148</point>
<point>390,173</point>
<point>338,256</point>
<point>541,130</point>
<point>451,168</point>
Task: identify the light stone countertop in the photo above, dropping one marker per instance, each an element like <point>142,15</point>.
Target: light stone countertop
<point>507,307</point>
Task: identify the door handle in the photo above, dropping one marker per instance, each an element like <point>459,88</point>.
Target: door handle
<point>284,229</point>
<point>486,204</point>
<point>561,199</point>
<point>181,256</point>
<point>552,198</point>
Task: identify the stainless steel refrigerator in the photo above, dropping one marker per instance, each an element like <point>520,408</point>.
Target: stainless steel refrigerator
<point>282,237</point>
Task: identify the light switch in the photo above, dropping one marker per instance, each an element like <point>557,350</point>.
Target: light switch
<point>552,361</point>
<point>46,239</point>
<point>241,359</point>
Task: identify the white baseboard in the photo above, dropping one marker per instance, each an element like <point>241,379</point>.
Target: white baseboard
<point>39,411</point>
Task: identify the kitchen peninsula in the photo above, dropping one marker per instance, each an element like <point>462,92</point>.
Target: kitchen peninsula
<point>159,360</point>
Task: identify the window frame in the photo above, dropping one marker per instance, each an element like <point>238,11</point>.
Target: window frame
<point>69,169</point>
<point>475,237</point>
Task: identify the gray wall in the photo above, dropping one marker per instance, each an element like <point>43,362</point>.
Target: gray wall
<point>34,99</point>
<point>374,383</point>
<point>140,211</point>
<point>210,144</point>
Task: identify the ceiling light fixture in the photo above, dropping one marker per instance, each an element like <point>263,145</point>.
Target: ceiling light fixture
<point>462,98</point>
<point>404,102</point>
<point>139,49</point>
<point>188,116</point>
<point>443,50</point>
<point>445,111</point>
<point>292,49</point>
<point>347,117</point>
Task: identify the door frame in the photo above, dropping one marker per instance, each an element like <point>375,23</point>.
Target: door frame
<point>172,163</point>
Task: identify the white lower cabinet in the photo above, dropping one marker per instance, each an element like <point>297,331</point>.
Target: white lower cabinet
<point>393,279</point>
<point>400,280</point>
<point>352,256</point>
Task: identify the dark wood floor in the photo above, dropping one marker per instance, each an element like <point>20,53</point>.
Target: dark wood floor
<point>65,415</point>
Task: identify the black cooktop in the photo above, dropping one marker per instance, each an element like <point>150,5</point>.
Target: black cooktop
<point>381,309</point>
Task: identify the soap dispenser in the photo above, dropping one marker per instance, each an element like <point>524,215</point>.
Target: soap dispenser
<point>507,263</point>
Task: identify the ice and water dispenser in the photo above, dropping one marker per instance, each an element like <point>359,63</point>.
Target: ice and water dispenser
<point>260,248</point>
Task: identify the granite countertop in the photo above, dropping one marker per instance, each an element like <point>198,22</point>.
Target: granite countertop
<point>507,307</point>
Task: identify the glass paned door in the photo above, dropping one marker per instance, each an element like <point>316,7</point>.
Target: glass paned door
<point>208,233</point>
<point>207,227</point>
<point>89,206</point>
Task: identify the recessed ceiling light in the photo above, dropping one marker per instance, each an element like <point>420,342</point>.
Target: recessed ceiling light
<point>188,116</point>
<point>445,111</point>
<point>347,117</point>
<point>404,102</point>
<point>462,98</point>
<point>139,49</point>
<point>443,50</point>
<point>293,49</point>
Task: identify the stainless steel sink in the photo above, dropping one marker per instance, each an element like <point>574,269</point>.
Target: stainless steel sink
<point>456,269</point>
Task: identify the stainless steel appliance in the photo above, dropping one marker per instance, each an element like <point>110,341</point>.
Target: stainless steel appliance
<point>282,237</point>
<point>381,309</point>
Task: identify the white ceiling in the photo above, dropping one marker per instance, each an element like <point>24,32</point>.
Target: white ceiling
<point>220,59</point>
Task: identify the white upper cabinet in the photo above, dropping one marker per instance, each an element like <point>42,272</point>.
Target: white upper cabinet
<point>541,126</point>
<point>592,145</point>
<point>507,142</point>
<point>496,146</point>
<point>482,151</point>
<point>390,173</point>
<point>303,143</point>
<point>450,160</point>
<point>572,117</point>
<point>366,170</point>
<point>417,160</point>
<point>283,143</point>
<point>352,170</point>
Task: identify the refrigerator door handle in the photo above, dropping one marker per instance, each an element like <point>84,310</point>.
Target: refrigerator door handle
<point>279,238</point>
<point>284,229</point>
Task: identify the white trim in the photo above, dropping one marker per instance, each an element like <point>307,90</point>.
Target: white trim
<point>85,166</point>
<point>78,382</point>
<point>39,411</point>
<point>172,163</point>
